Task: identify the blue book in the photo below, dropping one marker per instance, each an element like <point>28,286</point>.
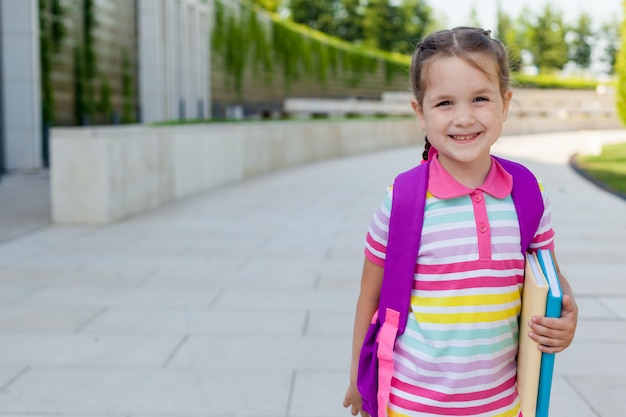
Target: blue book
<point>553,309</point>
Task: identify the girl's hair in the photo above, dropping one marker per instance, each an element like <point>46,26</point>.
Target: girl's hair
<point>466,43</point>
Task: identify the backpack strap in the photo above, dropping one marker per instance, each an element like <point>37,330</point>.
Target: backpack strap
<point>405,227</point>
<point>527,199</point>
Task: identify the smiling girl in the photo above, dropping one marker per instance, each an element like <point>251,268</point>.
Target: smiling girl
<point>457,356</point>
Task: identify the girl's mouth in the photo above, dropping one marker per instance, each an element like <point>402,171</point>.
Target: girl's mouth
<point>462,138</point>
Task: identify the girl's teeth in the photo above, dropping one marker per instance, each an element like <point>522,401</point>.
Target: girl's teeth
<point>466,137</point>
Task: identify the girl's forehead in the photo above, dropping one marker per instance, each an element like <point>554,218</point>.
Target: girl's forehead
<point>477,66</point>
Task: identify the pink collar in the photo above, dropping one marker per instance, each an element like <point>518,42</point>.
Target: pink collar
<point>441,184</point>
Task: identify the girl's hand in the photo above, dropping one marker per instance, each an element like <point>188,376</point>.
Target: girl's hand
<point>555,334</point>
<point>353,399</point>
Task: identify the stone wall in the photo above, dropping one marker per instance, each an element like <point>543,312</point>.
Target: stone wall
<point>100,175</point>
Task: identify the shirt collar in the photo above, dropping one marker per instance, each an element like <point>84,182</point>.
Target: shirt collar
<point>441,184</point>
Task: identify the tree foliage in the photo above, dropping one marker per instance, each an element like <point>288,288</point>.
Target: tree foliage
<point>546,39</point>
<point>509,33</point>
<point>581,44</point>
<point>316,14</point>
<point>620,69</point>
<point>382,24</point>
<point>610,35</point>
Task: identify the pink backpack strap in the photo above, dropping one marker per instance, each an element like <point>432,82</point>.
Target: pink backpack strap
<point>386,340</point>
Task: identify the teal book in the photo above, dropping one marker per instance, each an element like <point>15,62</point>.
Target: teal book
<point>553,309</point>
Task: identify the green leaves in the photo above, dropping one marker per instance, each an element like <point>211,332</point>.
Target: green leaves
<point>247,40</point>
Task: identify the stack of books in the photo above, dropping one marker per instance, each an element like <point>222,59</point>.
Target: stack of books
<point>541,296</point>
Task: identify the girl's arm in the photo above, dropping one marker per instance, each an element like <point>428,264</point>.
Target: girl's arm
<point>371,281</point>
<point>555,334</point>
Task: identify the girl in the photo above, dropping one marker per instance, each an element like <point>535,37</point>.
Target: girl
<point>460,81</point>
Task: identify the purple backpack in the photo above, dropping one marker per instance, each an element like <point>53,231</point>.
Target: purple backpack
<point>405,226</point>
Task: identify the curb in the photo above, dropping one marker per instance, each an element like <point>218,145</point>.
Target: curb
<point>573,163</point>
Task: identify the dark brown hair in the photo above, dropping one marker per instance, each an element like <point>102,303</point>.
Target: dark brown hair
<point>467,43</point>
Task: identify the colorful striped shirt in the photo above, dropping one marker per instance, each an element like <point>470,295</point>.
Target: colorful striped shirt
<point>457,354</point>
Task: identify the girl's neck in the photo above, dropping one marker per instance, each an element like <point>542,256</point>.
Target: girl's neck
<point>472,175</point>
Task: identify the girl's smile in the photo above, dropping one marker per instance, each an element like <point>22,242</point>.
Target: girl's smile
<point>464,138</point>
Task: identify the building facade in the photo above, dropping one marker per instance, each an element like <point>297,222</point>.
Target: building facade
<point>88,62</point>
<point>20,109</point>
<point>174,70</point>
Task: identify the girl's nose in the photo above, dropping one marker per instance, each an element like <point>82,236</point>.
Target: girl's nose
<point>464,116</point>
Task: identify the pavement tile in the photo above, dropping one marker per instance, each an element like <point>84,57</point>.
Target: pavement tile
<point>566,401</point>
<point>102,297</point>
<point>318,394</point>
<point>594,307</point>
<point>593,358</point>
<point>8,374</point>
<point>286,299</point>
<point>158,392</point>
<point>604,394</point>
<point>279,352</point>
<point>60,277</point>
<point>616,305</point>
<point>86,350</point>
<point>11,293</point>
<point>600,331</point>
<point>45,319</point>
<point>193,321</point>
<point>584,278</point>
<point>329,323</point>
<point>350,280</point>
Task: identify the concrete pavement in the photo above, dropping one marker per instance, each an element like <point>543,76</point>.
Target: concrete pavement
<point>240,302</point>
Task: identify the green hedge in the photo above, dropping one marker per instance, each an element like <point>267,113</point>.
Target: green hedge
<point>246,36</point>
<point>554,81</point>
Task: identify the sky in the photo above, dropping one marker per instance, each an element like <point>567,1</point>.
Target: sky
<point>458,11</point>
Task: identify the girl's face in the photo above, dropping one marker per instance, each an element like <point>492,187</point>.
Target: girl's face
<point>462,111</point>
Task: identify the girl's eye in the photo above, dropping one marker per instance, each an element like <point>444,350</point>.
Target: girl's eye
<point>481,99</point>
<point>444,103</point>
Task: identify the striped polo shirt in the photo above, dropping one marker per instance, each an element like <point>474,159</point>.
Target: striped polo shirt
<point>457,354</point>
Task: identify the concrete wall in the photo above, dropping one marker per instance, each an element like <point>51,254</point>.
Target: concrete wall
<point>100,175</point>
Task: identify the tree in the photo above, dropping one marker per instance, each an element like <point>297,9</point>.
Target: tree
<point>620,69</point>
<point>383,24</point>
<point>509,34</point>
<point>381,20</point>
<point>418,22</point>
<point>580,45</point>
<point>396,28</point>
<point>350,20</point>
<point>316,14</point>
<point>546,40</point>
<point>610,38</point>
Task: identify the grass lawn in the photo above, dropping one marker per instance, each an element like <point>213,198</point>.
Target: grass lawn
<point>608,168</point>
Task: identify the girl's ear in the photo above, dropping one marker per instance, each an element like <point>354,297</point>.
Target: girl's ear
<point>506,101</point>
<point>417,109</point>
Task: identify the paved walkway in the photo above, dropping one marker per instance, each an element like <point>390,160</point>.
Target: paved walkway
<point>239,302</point>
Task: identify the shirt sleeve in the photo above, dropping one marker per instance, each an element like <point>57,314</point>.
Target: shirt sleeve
<point>378,232</point>
<point>544,238</point>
